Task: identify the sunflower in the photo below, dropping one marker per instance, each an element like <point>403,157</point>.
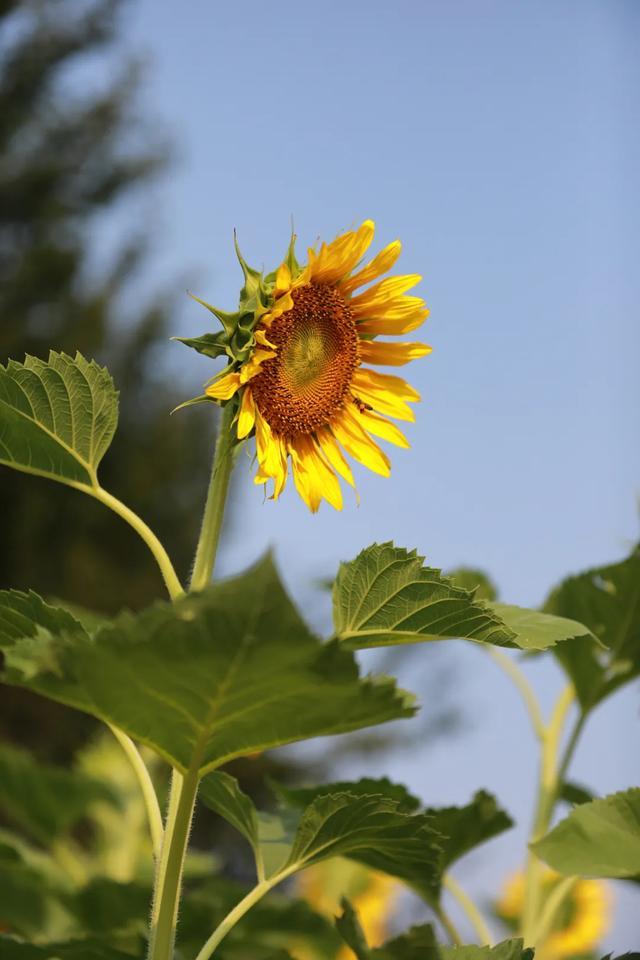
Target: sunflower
<point>300,372</point>
<point>580,923</point>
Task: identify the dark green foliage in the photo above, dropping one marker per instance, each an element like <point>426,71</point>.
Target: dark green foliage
<point>67,159</point>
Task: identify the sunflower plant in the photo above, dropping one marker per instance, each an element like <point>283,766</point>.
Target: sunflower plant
<point>96,861</point>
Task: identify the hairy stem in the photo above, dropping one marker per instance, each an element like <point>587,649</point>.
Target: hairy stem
<point>237,913</point>
<point>476,919</point>
<point>216,499</point>
<point>148,790</point>
<point>161,556</point>
<point>181,804</point>
<point>182,797</point>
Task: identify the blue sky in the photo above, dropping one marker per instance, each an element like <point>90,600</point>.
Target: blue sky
<point>501,142</point>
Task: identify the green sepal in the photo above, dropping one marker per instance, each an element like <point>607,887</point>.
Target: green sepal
<point>237,338</point>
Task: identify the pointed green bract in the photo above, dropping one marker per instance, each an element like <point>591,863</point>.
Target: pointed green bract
<point>597,839</point>
<point>217,675</point>
<point>57,418</point>
<point>607,600</point>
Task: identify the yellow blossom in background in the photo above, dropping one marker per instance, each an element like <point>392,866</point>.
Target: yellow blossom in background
<point>306,388</point>
<point>580,923</point>
<point>373,895</point>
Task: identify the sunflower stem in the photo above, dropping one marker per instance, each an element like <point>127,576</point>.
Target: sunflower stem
<point>474,916</point>
<point>216,498</point>
<point>547,795</point>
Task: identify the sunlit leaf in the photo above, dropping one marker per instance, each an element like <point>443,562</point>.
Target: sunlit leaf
<point>507,950</point>
<point>387,596</point>
<point>57,418</point>
<point>221,674</point>
<point>597,839</point>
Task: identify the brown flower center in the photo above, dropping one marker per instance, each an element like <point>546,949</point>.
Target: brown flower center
<point>306,383</point>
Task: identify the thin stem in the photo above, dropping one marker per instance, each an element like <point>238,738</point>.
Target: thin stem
<point>161,556</point>
<point>237,913</point>
<point>554,902</point>
<point>547,794</point>
<point>476,919</point>
<point>146,785</point>
<point>216,499</point>
<point>526,691</point>
<point>163,931</point>
<point>571,746</point>
<point>448,925</point>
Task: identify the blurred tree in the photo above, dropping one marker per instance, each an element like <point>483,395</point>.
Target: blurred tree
<point>69,155</point>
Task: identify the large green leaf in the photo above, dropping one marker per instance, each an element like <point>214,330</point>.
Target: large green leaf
<point>57,418</point>
<point>463,828</point>
<point>374,829</point>
<point>44,800</point>
<point>597,839</point>
<point>387,596</point>
<point>607,600</point>
<point>220,674</point>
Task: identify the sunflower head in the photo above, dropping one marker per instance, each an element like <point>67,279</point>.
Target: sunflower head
<point>579,925</point>
<point>298,350</point>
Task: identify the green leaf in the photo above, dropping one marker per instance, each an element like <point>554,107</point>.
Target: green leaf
<point>93,949</point>
<point>462,829</point>
<point>57,419</point>
<point>607,600</point>
<point>597,839</point>
<point>370,829</point>
<point>221,793</point>
<point>44,800</point>
<point>348,926</point>
<point>538,631</point>
<point>507,950</point>
<point>367,786</point>
<point>221,674</point>
<point>419,943</point>
<point>575,794</point>
<point>387,596</point>
<point>107,907</point>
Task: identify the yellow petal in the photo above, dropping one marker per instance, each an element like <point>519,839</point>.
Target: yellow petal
<point>391,354</point>
<point>261,338</point>
<point>247,415</point>
<point>283,279</point>
<point>316,478</point>
<point>339,257</point>
<point>224,387</point>
<point>380,427</point>
<point>393,325</point>
<point>397,306</point>
<point>333,454</point>
<point>384,393</point>
<point>252,367</point>
<point>382,262</point>
<point>280,306</point>
<point>386,290</point>
<point>359,444</point>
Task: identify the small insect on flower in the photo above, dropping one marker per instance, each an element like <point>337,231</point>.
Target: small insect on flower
<point>299,349</point>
